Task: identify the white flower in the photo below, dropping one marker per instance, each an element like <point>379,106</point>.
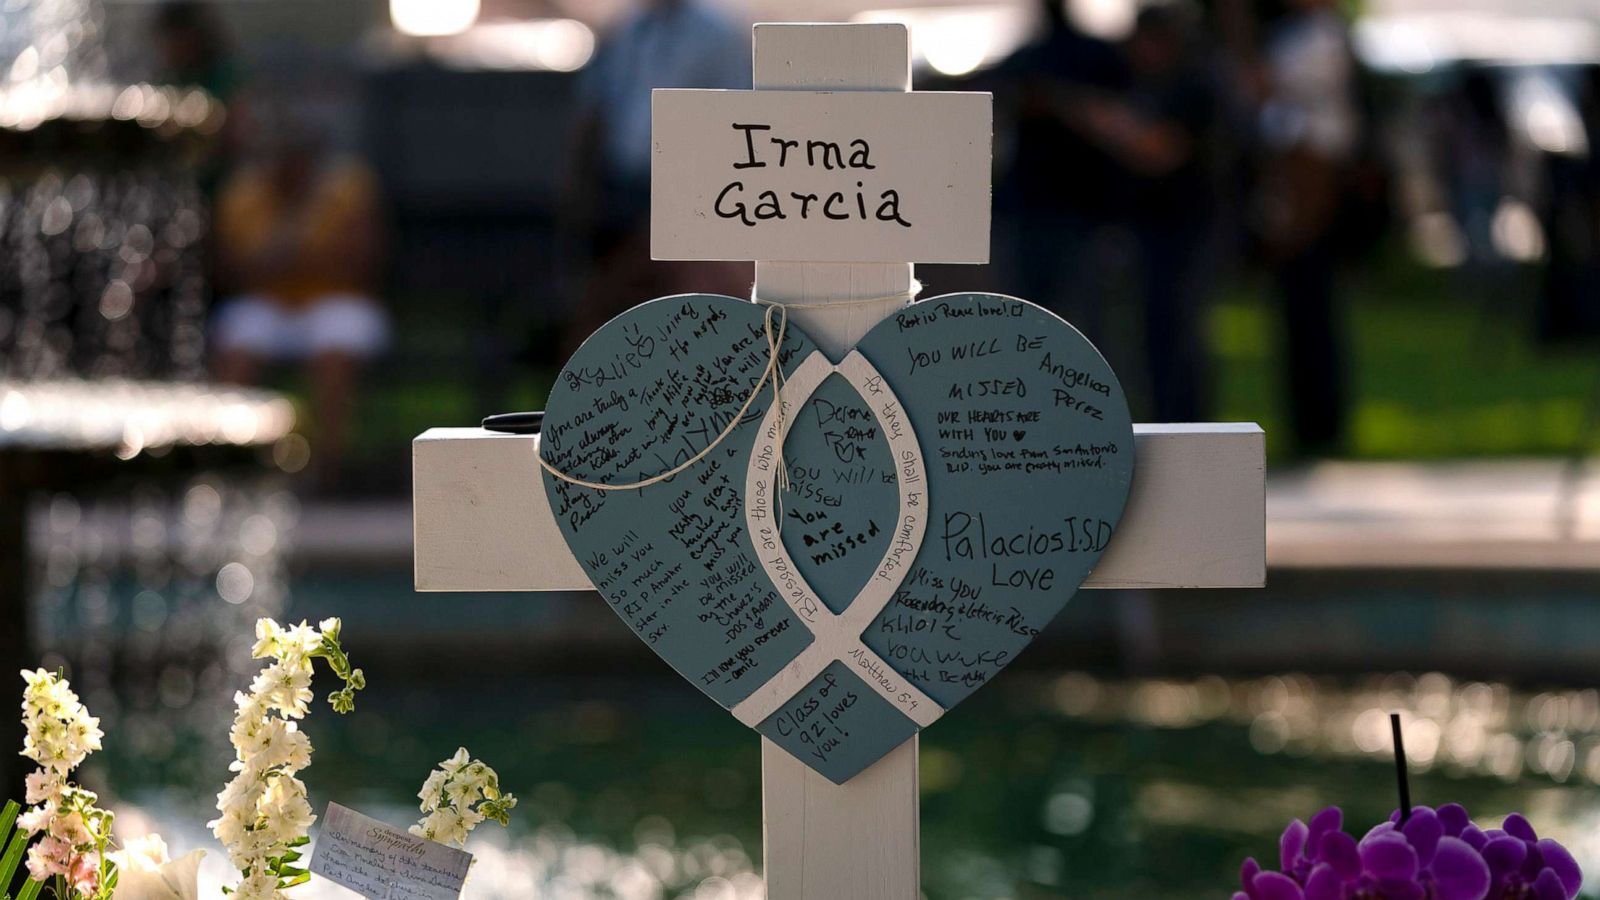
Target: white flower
<point>285,687</point>
<point>457,796</point>
<point>267,634</point>
<point>462,792</point>
<point>432,790</point>
<point>34,819</point>
<point>259,886</point>
<point>295,748</point>
<point>291,690</point>
<point>300,640</point>
<point>40,787</point>
<point>285,811</point>
<point>59,734</point>
<point>240,794</point>
<point>72,828</point>
<point>46,694</point>
<point>148,853</point>
<point>458,762</point>
<point>263,809</point>
<point>445,826</point>
<point>142,877</point>
<point>229,828</point>
<point>85,733</point>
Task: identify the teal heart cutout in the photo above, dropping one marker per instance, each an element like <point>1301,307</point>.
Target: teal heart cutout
<point>950,483</point>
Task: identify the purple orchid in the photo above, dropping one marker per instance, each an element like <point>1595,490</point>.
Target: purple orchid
<point>1435,855</point>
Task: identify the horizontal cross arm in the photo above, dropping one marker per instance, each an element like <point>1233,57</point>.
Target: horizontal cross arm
<point>1196,517</point>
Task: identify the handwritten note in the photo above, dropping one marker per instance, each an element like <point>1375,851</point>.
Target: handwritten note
<point>950,484</point>
<point>384,863</point>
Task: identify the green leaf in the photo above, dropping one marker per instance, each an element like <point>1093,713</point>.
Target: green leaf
<point>8,816</point>
<point>298,879</point>
<point>291,855</point>
<point>12,857</point>
<point>30,890</point>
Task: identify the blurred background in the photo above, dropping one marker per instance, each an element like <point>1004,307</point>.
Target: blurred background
<point>250,248</point>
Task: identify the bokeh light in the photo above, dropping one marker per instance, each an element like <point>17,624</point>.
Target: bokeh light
<point>423,18</point>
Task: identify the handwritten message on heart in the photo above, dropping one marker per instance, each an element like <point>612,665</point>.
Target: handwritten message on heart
<point>950,483</point>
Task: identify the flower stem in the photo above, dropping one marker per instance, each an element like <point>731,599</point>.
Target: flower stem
<point>1400,771</point>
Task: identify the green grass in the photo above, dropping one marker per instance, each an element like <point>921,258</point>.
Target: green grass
<point>1432,374</point>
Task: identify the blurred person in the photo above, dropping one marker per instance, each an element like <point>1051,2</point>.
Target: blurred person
<point>1060,187</point>
<point>1472,151</point>
<point>298,238</point>
<point>1474,144</point>
<point>193,49</point>
<point>1158,133</point>
<point>667,44</point>
<point>1569,306</point>
<point>1311,126</point>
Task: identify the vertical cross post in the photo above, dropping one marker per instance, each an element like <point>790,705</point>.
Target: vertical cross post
<point>860,839</point>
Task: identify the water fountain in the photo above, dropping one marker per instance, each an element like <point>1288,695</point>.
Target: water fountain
<point>104,415</point>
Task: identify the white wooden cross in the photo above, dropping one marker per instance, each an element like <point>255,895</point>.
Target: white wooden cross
<point>1195,517</point>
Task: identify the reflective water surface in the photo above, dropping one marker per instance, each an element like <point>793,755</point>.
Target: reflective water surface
<point>1048,783</point>
<point>1044,785</point>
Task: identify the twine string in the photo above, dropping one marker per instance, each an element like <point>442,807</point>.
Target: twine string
<point>773,374</point>
<point>781,477</point>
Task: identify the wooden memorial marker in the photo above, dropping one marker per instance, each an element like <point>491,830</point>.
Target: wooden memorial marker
<point>921,471</point>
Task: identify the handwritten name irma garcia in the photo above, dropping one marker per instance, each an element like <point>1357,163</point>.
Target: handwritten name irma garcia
<point>764,150</point>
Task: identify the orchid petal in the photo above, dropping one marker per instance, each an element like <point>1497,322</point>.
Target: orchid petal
<point>1459,873</point>
<point>1330,819</point>
<point>1379,830</point>
<point>1388,858</point>
<point>1247,874</point>
<point>1339,851</point>
<point>1534,864</point>
<point>1454,818</point>
<point>1503,855</point>
<point>1423,832</point>
<point>1517,826</point>
<point>1548,886</point>
<point>1400,889</point>
<point>1278,886</point>
<point>1291,845</point>
<point>1324,884</point>
<point>1558,860</point>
